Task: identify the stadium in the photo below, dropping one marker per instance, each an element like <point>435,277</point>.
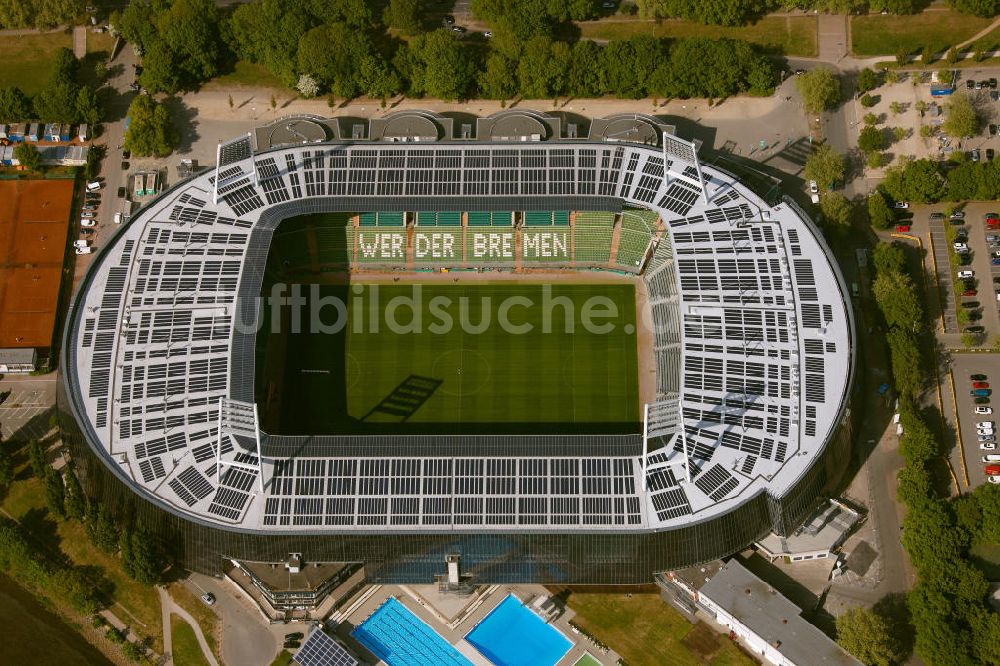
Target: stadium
<point>706,408</point>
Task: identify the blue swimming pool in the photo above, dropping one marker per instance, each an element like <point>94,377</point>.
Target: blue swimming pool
<point>512,635</point>
<point>400,638</point>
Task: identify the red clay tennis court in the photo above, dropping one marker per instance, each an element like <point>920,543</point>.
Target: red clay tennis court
<point>34,222</point>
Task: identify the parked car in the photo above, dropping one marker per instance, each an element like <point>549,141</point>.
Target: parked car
<point>291,645</point>
<point>974,329</point>
<point>991,458</point>
<point>448,20</point>
<point>458,30</point>
<point>902,228</point>
<point>972,305</point>
<point>121,192</point>
<point>208,598</point>
<point>978,377</point>
<point>126,154</point>
<point>125,165</point>
<point>995,261</point>
<point>981,401</point>
<point>978,85</point>
<point>88,223</point>
<point>984,424</point>
<point>993,129</point>
<point>93,186</point>
<point>995,480</point>
<point>82,250</point>
<point>937,216</point>
<point>901,204</point>
<point>958,215</point>
<point>970,84</point>
<point>960,247</point>
<point>993,82</point>
<point>968,274</point>
<point>992,469</point>
<point>969,292</point>
<point>88,214</point>
<point>991,216</point>
<point>294,636</point>
<point>86,232</point>
<point>995,95</point>
<point>980,393</point>
<point>81,243</point>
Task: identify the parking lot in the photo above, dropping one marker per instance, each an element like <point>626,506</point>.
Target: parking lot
<point>26,406</point>
<point>982,305</point>
<point>963,366</point>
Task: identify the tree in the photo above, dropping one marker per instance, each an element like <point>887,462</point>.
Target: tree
<point>87,106</point>
<point>37,458</point>
<point>6,467</point>
<point>332,54</point>
<point>879,212</point>
<point>587,76</point>
<point>819,89</point>
<point>150,130</point>
<point>825,166</point>
<point>76,501</point>
<point>403,15</point>
<point>436,64</point>
<point>377,78</point>
<point>836,209</point>
<point>984,8</point>
<point>496,81</point>
<point>268,33</point>
<point>28,156</point>
<point>870,118</point>
<point>631,65</point>
<point>898,134</point>
<point>14,104</point>
<point>952,56</point>
<point>915,180</point>
<point>896,108</point>
<point>55,493</point>
<point>870,139</point>
<point>902,56</point>
<point>868,101</point>
<point>867,80</point>
<point>307,86</point>
<point>101,527</point>
<point>142,558</point>
<point>541,71</point>
<point>868,636</point>
<point>927,57</point>
<point>962,119</point>
<point>898,300</point>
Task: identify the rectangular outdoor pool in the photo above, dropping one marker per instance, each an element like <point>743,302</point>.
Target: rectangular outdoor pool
<point>400,638</point>
<point>513,635</point>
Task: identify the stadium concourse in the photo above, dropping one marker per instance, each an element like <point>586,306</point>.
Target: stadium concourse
<point>752,336</point>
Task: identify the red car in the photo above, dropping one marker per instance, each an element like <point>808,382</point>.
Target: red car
<point>902,228</point>
<point>993,222</point>
<point>980,385</point>
<point>992,470</point>
<point>969,292</point>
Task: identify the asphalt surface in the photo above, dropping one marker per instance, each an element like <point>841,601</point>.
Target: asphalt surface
<point>26,403</point>
<point>246,639</point>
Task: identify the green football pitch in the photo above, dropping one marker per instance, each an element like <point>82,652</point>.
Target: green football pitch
<point>497,358</point>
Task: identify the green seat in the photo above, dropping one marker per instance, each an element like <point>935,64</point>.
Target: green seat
<point>368,219</point>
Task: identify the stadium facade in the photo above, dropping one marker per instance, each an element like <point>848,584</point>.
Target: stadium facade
<point>753,340</point>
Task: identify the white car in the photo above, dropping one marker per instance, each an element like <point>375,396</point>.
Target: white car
<point>994,479</point>
<point>89,215</point>
<point>982,409</point>
<point>93,186</point>
<point>83,250</point>
<point>81,243</point>
<point>118,218</point>
<point>901,204</point>
<point>88,223</point>
<point>961,248</point>
<point>985,424</point>
<point>987,446</point>
<point>991,458</point>
<point>963,275</point>
<point>983,431</point>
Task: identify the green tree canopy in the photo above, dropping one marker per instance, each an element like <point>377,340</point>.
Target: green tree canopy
<point>825,166</point>
<point>717,12</point>
<point>984,8</point>
<point>403,15</point>
<point>819,89</point>
<point>915,180</point>
<point>436,64</point>
<point>868,636</point>
<point>837,210</point>
<point>871,139</point>
<point>879,212</point>
<point>962,118</point>
<point>867,80</point>
<point>496,81</point>
<point>150,130</point>
<point>27,155</point>
<point>333,53</point>
<point>587,76</point>
<point>541,71</point>
<point>14,105</point>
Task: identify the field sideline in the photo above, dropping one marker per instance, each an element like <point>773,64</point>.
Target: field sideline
<point>472,376</point>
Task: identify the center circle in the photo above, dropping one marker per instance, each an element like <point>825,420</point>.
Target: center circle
<point>352,371</point>
<point>463,371</point>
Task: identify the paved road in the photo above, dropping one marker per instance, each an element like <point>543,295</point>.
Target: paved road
<point>246,639</point>
<point>832,32</point>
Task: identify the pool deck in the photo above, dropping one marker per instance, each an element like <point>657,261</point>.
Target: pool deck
<point>454,616</point>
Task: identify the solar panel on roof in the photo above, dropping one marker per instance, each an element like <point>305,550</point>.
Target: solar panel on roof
<point>321,650</point>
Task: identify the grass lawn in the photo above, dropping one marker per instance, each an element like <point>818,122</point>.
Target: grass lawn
<point>987,557</point>
<point>205,616</point>
<point>136,604</point>
<point>185,644</point>
<point>875,34</point>
<point>459,378</point>
<point>792,35</point>
<point>284,658</point>
<point>27,59</point>
<point>644,630</point>
<point>248,75</point>
<point>991,42</point>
